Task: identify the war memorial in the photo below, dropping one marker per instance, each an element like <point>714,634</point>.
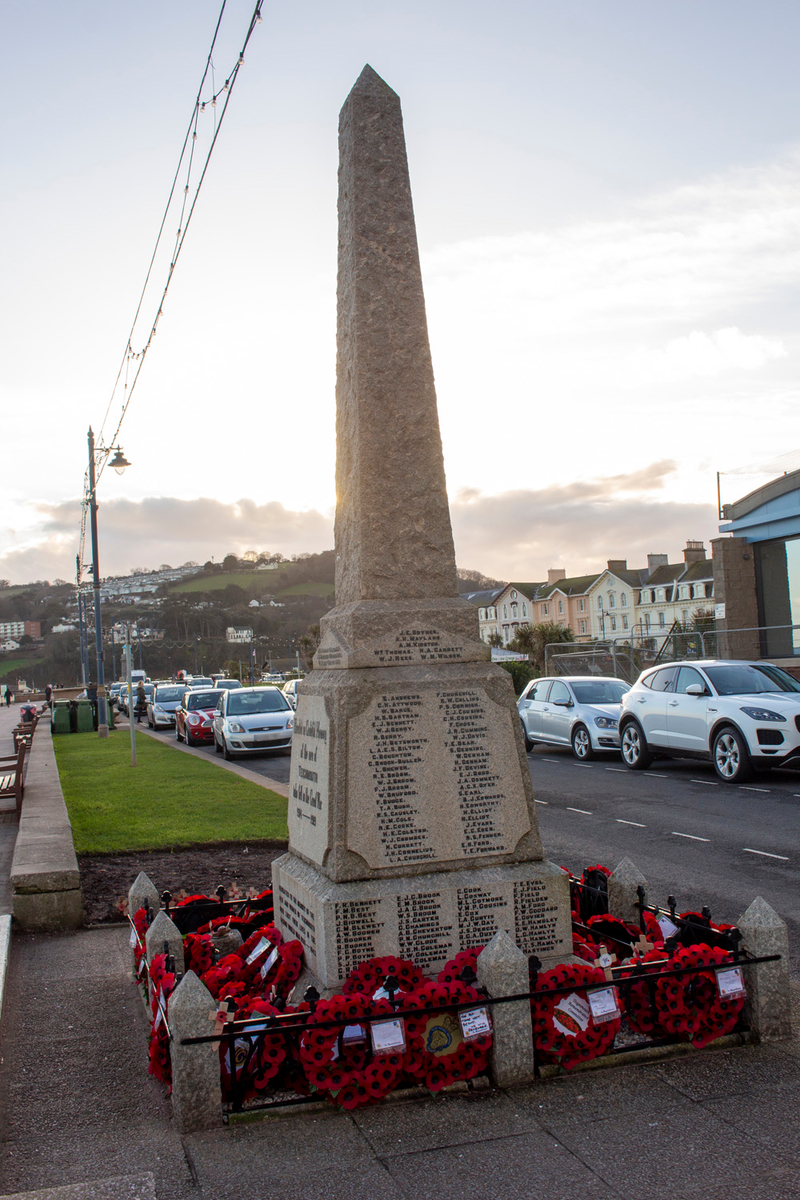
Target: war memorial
<point>412,824</point>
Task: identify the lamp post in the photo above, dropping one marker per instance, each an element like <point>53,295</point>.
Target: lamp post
<point>81,623</point>
<point>119,463</point>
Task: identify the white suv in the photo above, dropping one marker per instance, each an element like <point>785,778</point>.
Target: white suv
<point>742,716</point>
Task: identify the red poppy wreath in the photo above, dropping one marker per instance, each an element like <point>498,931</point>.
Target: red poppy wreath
<point>563,1027</point>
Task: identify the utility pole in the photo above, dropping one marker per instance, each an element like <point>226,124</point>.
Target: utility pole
<point>81,624</point>
<point>194,640</point>
<point>102,720</point>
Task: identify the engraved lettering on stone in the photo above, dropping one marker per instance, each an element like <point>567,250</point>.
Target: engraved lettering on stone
<point>535,918</point>
<point>422,935</point>
<point>418,645</point>
<point>357,933</point>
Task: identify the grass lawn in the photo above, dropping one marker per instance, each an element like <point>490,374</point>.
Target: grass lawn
<point>308,589</point>
<point>169,800</point>
<point>266,581</point>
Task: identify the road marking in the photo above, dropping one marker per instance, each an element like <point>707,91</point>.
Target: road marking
<point>638,824</point>
<point>653,775</point>
<point>707,782</point>
<point>623,769</point>
<point>545,802</point>
<point>693,836</point>
<point>744,788</point>
<point>765,854</point>
<point>585,811</point>
<point>555,760</point>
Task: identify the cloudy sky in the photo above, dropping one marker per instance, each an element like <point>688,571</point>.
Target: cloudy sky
<point>608,208</point>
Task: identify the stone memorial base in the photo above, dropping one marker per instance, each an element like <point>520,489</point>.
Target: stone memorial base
<point>426,918</point>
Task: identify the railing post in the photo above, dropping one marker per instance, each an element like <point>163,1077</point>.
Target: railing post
<point>196,1088</point>
<point>768,1009</point>
<point>503,971</point>
<point>623,898</point>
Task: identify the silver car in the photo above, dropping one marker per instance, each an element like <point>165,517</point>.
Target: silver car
<point>162,704</point>
<point>581,711</point>
<point>251,720</point>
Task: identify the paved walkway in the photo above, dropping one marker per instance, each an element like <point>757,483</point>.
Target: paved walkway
<point>80,1116</point>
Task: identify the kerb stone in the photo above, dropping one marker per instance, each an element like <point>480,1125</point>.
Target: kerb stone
<point>142,889</point>
<point>164,930</point>
<point>196,1091</point>
<point>503,971</point>
<point>768,1008</point>
<point>623,899</point>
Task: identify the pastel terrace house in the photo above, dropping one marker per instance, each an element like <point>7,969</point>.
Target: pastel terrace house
<point>616,603</point>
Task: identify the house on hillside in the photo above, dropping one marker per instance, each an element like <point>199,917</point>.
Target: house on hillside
<point>676,591</point>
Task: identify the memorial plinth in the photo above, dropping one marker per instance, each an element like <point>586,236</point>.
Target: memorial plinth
<point>412,824</point>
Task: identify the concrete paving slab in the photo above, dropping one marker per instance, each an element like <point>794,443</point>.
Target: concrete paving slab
<point>123,1187</point>
<point>440,1121</point>
<point>579,1098</point>
<point>529,1166</point>
<point>762,1117</point>
<point>66,1159</point>
<point>66,956</point>
<point>301,1157</point>
<point>721,1073</point>
<point>779,1184</point>
<point>634,1151</point>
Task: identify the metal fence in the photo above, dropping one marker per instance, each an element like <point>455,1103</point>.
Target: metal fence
<point>627,655</point>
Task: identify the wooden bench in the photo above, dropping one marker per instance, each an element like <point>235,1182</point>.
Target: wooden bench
<point>12,776</point>
<point>24,732</point>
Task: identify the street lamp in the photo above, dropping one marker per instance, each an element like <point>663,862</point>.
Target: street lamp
<point>97,455</point>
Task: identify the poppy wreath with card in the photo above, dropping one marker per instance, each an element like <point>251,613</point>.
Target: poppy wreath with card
<point>689,1006</point>
<point>368,976</point>
<point>348,1073</point>
<point>198,953</point>
<point>227,970</point>
<point>451,972</point>
<point>163,985</point>
<point>436,1054</point>
<point>141,927</point>
<point>264,940</point>
<point>639,997</point>
<point>576,1038</point>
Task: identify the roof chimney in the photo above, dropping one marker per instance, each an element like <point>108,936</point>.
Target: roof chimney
<point>617,564</point>
<point>656,560</point>
<point>694,552</point>
<point>556,573</point>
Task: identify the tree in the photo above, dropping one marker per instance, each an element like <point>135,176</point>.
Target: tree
<point>230,563</point>
<point>4,583</point>
<point>495,639</point>
<point>535,639</point>
<point>308,643</point>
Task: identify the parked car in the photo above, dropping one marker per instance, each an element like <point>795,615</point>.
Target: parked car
<point>113,693</point>
<point>162,704</point>
<point>580,711</point>
<point>228,683</point>
<point>290,691</point>
<point>250,720</point>
<point>194,716</point>
<point>742,716</point>
<point>200,681</point>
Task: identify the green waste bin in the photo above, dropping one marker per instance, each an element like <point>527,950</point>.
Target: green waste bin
<point>109,714</point>
<point>85,716</point>
<point>61,717</point>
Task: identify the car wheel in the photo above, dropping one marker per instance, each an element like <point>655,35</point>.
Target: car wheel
<point>582,743</point>
<point>730,756</point>
<point>217,747</point>
<point>177,734</point>
<point>187,737</point>
<point>635,753</point>
<point>226,754</point>
<point>526,737</point>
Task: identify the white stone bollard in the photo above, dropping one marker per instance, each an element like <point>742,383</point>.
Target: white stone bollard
<point>140,890</point>
<point>196,1088</point>
<point>503,971</point>
<point>164,930</point>
<point>623,898</point>
<point>768,1008</point>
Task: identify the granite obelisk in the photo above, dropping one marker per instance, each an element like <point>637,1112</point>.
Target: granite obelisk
<point>412,826</point>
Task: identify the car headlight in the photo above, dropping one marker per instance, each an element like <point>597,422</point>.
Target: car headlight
<point>289,722</point>
<point>235,727</point>
<point>605,722</point>
<point>763,714</point>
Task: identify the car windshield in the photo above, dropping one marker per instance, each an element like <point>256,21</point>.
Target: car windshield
<point>785,681</point>
<point>199,682</point>
<point>169,693</point>
<point>202,700</point>
<point>240,703</point>
<point>599,691</point>
<point>738,679</point>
